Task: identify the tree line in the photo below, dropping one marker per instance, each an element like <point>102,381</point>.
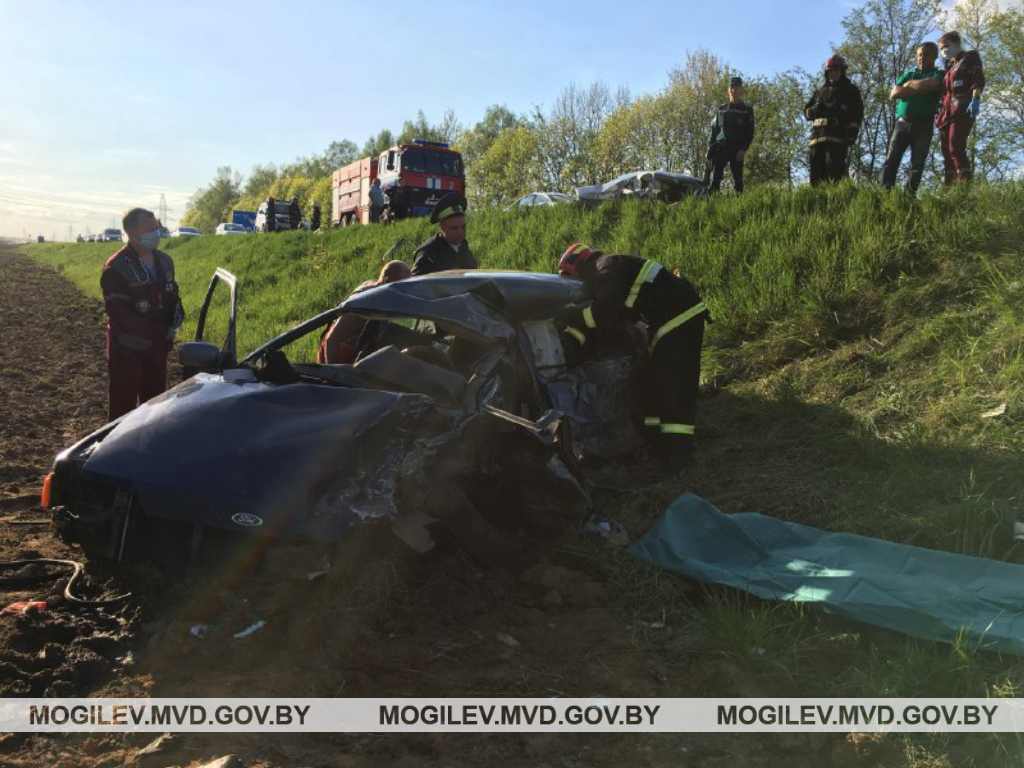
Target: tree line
<point>592,133</point>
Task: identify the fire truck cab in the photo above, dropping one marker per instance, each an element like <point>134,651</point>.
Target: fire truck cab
<point>412,176</point>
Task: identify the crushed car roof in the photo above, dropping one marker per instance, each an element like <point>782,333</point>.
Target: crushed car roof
<point>641,183</point>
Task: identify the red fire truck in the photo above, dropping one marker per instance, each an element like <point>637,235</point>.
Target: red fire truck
<point>412,176</point>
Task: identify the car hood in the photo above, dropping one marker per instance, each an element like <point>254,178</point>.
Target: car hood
<point>233,452</point>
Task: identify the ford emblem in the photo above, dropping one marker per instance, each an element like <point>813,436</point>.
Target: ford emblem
<point>246,520</point>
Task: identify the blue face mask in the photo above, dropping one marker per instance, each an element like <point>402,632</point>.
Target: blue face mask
<point>150,240</point>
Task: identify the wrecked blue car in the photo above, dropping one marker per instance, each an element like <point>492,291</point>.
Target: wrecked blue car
<point>460,411</point>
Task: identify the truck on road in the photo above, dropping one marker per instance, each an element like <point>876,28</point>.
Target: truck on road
<point>412,176</point>
<point>246,218</point>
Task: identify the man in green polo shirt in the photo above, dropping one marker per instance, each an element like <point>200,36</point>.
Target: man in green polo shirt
<point>917,92</point>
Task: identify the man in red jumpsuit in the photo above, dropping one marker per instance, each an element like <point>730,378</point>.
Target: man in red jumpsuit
<point>626,289</point>
<point>143,313</point>
<point>961,103</point>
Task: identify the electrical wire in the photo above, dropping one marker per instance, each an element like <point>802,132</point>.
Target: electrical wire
<point>69,595</point>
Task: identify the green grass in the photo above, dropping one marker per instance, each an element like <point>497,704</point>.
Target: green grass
<point>861,346</point>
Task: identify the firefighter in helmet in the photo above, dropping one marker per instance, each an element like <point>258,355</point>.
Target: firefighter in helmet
<point>625,289</point>
<point>836,111</point>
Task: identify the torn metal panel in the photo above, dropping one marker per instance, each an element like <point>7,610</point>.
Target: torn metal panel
<point>597,397</point>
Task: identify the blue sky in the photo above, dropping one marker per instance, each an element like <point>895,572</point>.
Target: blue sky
<point>108,105</point>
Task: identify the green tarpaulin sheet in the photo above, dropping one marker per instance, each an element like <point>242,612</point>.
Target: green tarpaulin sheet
<point>920,592</point>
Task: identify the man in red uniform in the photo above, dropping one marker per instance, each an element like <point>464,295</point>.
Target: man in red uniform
<point>626,289</point>
<point>143,313</point>
<point>961,103</point>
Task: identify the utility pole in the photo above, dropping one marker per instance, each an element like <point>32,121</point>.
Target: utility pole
<point>69,233</point>
<point>162,209</point>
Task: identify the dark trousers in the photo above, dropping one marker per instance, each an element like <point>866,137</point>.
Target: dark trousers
<point>133,379</point>
<point>719,161</point>
<point>953,140</point>
<point>675,368</point>
<point>916,134</point>
<point>829,161</point>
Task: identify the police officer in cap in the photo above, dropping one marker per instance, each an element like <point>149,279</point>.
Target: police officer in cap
<point>448,248</point>
<point>731,135</point>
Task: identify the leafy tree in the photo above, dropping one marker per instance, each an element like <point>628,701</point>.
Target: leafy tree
<point>508,169</point>
<point>212,205</point>
<point>474,142</point>
<point>566,134</point>
<point>377,144</point>
<point>695,90</point>
<point>339,153</point>
<point>1005,62</point>
<point>779,153</point>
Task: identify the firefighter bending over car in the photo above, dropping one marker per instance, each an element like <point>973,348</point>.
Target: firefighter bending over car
<point>143,313</point>
<point>625,289</point>
<point>447,249</point>
<point>836,111</point>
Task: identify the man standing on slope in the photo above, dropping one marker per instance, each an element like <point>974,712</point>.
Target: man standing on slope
<point>625,289</point>
<point>961,104</point>
<point>918,92</point>
<point>448,248</point>
<point>143,313</point>
<point>836,111</point>
<point>731,135</point>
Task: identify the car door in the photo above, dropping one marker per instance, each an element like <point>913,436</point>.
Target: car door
<point>203,354</point>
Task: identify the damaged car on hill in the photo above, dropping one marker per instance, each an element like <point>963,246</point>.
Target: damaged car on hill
<point>459,411</point>
<point>663,186</point>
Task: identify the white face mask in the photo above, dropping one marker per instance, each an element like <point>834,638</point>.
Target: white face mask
<point>150,240</point>
<point>951,51</point>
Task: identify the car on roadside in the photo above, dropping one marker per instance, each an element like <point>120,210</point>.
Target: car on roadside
<point>664,186</point>
<point>461,410</point>
<point>164,233</point>
<point>111,236</point>
<point>228,228</point>
<point>186,232</point>
<point>541,198</point>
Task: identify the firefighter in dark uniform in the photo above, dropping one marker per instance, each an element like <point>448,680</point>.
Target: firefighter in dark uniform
<point>448,249</point>
<point>314,217</point>
<point>294,213</point>
<point>836,111</point>
<point>271,219</point>
<point>143,312</point>
<point>626,289</point>
<point>731,135</point>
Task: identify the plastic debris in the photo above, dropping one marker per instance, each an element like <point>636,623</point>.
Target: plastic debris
<point>606,531</point>
<point>199,630</point>
<point>29,606</point>
<point>999,410</point>
<point>504,639</point>
<point>252,629</point>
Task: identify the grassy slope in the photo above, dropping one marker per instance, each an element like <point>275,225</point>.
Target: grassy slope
<point>860,339</point>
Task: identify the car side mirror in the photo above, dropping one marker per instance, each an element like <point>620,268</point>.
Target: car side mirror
<point>199,356</point>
